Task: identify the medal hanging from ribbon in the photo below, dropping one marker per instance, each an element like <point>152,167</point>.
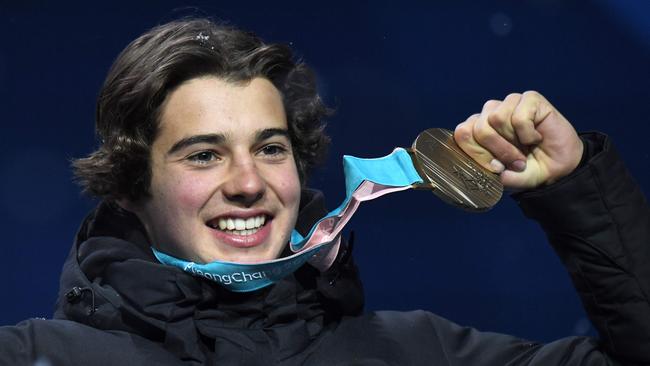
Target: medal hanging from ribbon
<point>434,162</point>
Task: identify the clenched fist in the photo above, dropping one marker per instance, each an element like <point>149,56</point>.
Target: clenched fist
<point>523,138</point>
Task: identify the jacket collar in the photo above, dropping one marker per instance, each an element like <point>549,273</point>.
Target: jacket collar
<point>111,266</point>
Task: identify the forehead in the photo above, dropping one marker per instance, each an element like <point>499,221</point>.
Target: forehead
<point>213,105</point>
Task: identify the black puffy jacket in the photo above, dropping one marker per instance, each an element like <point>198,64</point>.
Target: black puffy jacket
<point>118,306</point>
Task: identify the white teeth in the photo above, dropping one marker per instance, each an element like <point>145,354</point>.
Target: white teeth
<point>241,226</point>
<point>244,232</point>
<point>250,223</point>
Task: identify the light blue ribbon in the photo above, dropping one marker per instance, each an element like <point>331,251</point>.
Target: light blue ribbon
<point>395,170</point>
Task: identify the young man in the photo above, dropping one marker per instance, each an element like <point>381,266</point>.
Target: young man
<point>207,135</point>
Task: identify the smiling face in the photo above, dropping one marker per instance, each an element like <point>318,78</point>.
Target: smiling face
<point>224,181</point>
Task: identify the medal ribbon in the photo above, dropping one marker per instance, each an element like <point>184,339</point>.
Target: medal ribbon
<point>365,179</point>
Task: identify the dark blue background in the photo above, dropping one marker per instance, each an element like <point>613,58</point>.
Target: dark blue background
<point>390,70</point>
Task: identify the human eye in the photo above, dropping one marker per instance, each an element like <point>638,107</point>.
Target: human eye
<point>273,150</point>
<point>202,157</point>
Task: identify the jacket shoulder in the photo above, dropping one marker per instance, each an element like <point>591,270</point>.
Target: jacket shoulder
<point>65,342</point>
<point>423,338</point>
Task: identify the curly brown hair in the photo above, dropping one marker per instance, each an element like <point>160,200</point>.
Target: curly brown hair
<point>150,67</point>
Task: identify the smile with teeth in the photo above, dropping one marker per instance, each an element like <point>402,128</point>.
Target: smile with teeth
<point>239,226</point>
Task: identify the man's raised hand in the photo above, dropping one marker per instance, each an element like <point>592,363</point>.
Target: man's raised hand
<point>524,138</point>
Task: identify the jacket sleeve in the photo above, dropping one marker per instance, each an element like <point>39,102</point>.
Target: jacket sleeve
<point>40,342</point>
<point>598,222</point>
<point>48,342</point>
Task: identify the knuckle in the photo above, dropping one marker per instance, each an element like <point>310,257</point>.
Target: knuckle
<point>532,93</point>
<point>491,104</point>
<point>472,119</point>
<point>467,124</point>
<point>461,128</point>
<point>463,132</point>
<point>513,96</point>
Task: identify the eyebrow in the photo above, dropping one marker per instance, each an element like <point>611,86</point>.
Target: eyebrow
<point>270,132</point>
<point>217,138</point>
<point>212,138</point>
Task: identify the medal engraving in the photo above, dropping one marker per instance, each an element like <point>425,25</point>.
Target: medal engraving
<point>474,181</point>
<point>451,174</point>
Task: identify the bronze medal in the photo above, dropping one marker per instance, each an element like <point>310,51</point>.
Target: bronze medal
<point>451,174</point>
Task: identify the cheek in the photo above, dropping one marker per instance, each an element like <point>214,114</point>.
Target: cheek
<point>289,187</point>
<point>186,193</point>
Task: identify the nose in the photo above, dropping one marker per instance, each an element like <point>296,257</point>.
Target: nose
<point>245,185</point>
